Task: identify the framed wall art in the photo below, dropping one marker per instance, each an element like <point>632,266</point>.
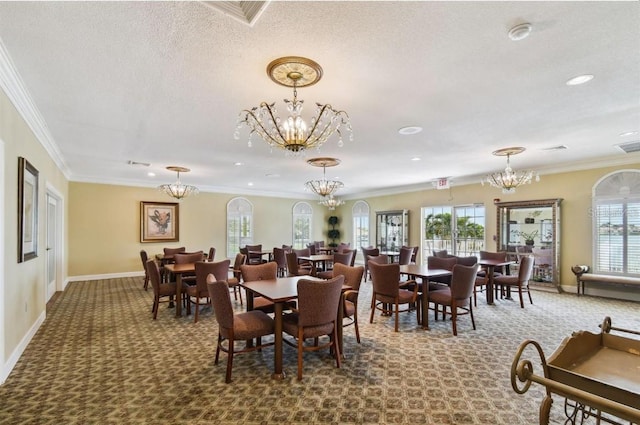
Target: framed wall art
<point>27,210</point>
<point>159,221</point>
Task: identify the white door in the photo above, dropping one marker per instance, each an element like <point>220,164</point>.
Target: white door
<point>52,244</point>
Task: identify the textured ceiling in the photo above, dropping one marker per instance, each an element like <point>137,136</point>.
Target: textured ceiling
<point>163,83</point>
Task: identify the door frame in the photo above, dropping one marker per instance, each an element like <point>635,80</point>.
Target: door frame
<point>59,258</point>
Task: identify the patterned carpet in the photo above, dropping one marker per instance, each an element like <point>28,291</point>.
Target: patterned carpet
<point>99,358</point>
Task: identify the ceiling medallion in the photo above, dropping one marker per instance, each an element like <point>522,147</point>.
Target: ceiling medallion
<point>293,134</point>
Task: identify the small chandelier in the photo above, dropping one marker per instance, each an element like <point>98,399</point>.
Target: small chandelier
<point>178,190</point>
<point>331,202</point>
<point>293,134</point>
<point>509,179</point>
<point>324,187</point>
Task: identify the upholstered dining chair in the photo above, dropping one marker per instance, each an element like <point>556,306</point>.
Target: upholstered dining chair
<point>457,296</point>
<point>521,280</point>
<point>497,271</point>
<point>234,280</point>
<point>212,254</point>
<point>387,295</point>
<point>405,256</point>
<point>199,291</point>
<point>161,289</point>
<point>254,258</point>
<point>172,251</point>
<point>186,258</point>
<point>312,249</point>
<point>293,267</point>
<point>264,271</point>
<point>144,257</point>
<point>249,325</point>
<point>366,253</point>
<point>445,263</point>
<point>338,258</point>
<point>379,259</point>
<point>316,316</point>
<point>305,252</point>
<point>280,258</point>
<point>353,278</point>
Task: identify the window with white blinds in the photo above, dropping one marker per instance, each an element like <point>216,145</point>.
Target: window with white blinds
<point>616,223</point>
<point>302,219</point>
<point>360,213</point>
<point>239,225</point>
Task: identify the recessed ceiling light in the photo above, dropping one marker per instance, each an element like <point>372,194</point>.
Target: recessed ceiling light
<point>410,130</point>
<point>250,184</point>
<point>520,31</point>
<point>151,174</point>
<point>238,163</point>
<point>415,158</point>
<point>628,133</point>
<point>272,175</point>
<point>580,79</point>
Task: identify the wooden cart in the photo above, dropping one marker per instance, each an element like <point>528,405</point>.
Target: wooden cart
<point>597,374</point>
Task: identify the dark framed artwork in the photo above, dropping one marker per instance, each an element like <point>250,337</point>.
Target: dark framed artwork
<point>27,211</point>
<point>159,221</point>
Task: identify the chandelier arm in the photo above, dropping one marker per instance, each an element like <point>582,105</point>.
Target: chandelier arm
<point>259,128</point>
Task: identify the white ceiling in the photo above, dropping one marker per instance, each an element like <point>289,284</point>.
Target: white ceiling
<point>163,83</point>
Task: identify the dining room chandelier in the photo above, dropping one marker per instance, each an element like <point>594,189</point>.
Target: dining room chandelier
<point>293,134</point>
<point>324,187</point>
<point>178,190</point>
<point>331,202</point>
<point>509,179</point>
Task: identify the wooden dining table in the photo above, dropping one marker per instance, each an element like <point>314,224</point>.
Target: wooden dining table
<point>425,273</point>
<point>178,270</point>
<point>315,259</point>
<point>280,291</point>
<point>489,265</point>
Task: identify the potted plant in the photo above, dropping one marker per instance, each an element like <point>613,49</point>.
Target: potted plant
<point>528,237</point>
<point>333,233</point>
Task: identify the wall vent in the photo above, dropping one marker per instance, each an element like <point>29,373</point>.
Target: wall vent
<point>630,147</point>
<point>556,148</point>
<point>246,12</point>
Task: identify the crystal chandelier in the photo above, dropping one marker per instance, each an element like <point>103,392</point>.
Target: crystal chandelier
<point>178,190</point>
<point>509,179</point>
<point>331,202</point>
<point>324,187</point>
<point>293,134</point>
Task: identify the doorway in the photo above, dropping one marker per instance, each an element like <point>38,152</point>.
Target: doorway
<point>53,243</point>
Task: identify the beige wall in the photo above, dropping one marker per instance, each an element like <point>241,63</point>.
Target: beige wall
<point>104,236</point>
<point>24,287</point>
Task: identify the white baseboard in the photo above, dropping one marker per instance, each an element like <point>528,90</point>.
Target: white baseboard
<point>15,356</point>
<point>103,276</point>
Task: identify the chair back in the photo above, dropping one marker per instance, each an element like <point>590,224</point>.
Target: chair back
<point>319,244</point>
<point>441,253</point>
<point>415,254</point>
<point>342,258</point>
<point>370,251</point>
<point>352,275</point>
<point>172,251</point>
<point>244,251</point>
<point>221,301</point>
<point>498,256</point>
<point>292,263</point>
<point>353,256</point>
<point>154,275</point>
<point>379,259</point>
<point>182,258</point>
<point>385,278</point>
<point>526,269</point>
<point>441,263</point>
<point>312,249</point>
<point>144,257</point>
<point>343,247</point>
<point>287,248</point>
<point>253,258</point>
<point>318,302</point>
<point>264,271</point>
<point>463,280</point>
<point>212,254</point>
<point>405,256</point>
<point>219,270</point>
<point>467,261</point>
<point>279,257</point>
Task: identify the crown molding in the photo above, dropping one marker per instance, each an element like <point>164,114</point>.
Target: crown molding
<point>13,86</point>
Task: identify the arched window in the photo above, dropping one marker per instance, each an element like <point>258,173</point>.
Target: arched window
<point>616,223</point>
<point>360,214</point>
<point>302,219</point>
<point>239,225</point>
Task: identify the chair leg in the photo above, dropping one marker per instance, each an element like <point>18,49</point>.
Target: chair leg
<point>218,348</point>
<point>397,314</point>
<point>146,282</point>
<point>473,322</point>
<point>520,295</point>
<point>300,350</point>
<point>475,296</point>
<point>373,307</point>
<point>154,309</point>
<point>230,360</point>
<point>454,318</point>
<point>355,324</point>
<point>336,346</point>
<point>195,316</point>
<point>529,293</point>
